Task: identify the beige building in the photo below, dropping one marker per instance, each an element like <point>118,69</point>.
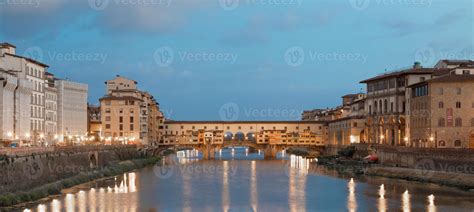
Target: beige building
<point>348,126</point>
<point>129,115</point>
<point>442,110</point>
<point>386,104</point>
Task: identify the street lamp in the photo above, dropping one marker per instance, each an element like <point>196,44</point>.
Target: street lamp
<point>10,134</point>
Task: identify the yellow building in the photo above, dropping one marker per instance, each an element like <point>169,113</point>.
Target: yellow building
<point>120,119</point>
<point>442,111</point>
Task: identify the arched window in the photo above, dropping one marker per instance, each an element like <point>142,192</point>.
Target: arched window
<point>442,143</point>
<point>441,104</point>
<point>457,143</point>
<point>385,105</point>
<point>441,122</point>
<point>458,122</point>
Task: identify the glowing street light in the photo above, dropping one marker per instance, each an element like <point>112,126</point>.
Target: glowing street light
<point>10,134</point>
<point>27,135</point>
<point>41,136</point>
<point>431,138</point>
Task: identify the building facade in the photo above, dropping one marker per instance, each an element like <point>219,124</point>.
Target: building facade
<point>386,104</point>
<point>442,110</point>
<point>128,114</point>
<point>51,109</point>
<point>72,111</point>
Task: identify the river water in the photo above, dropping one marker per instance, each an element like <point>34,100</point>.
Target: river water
<point>241,181</point>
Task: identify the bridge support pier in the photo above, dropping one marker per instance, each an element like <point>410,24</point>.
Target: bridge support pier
<point>209,152</point>
<point>270,152</point>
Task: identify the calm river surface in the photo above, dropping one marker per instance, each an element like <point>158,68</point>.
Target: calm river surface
<point>242,181</point>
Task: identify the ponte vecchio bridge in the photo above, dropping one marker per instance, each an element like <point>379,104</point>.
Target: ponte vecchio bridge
<point>269,136</point>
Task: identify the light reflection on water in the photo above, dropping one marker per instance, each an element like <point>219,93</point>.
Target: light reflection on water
<point>291,183</point>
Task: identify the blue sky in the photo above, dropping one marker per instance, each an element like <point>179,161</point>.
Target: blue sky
<point>256,47</point>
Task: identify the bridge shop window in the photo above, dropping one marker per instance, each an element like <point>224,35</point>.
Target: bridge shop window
<point>216,127</point>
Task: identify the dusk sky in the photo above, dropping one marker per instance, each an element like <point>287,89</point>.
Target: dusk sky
<point>195,56</point>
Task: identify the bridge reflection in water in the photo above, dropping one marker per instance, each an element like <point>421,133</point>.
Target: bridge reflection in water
<point>247,186</point>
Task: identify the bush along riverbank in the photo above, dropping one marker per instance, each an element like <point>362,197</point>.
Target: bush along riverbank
<point>37,193</point>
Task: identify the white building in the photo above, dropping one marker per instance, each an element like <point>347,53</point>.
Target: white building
<point>25,69</point>
<point>72,109</point>
<point>51,108</point>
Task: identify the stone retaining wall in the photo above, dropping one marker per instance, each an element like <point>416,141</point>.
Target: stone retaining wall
<point>449,160</point>
<point>21,171</point>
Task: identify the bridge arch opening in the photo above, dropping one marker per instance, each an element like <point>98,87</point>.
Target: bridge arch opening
<point>228,136</point>
<point>251,136</point>
<point>239,136</point>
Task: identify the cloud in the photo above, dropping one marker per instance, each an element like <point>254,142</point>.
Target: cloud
<point>35,17</point>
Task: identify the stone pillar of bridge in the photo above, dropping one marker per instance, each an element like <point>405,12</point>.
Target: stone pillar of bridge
<point>270,152</point>
<point>208,152</point>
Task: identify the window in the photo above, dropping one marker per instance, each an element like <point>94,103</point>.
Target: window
<point>465,72</point>
<point>441,122</point>
<point>422,79</point>
<point>131,119</point>
<point>458,122</point>
<point>107,102</point>
<point>131,127</point>
<point>458,104</point>
<point>107,118</point>
<point>107,110</point>
<point>442,143</point>
<point>120,127</point>
<point>457,143</point>
<point>107,126</point>
<point>121,119</point>
<point>458,91</point>
<point>441,104</point>
<point>131,111</point>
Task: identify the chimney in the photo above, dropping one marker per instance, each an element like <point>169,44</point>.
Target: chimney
<point>417,65</point>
